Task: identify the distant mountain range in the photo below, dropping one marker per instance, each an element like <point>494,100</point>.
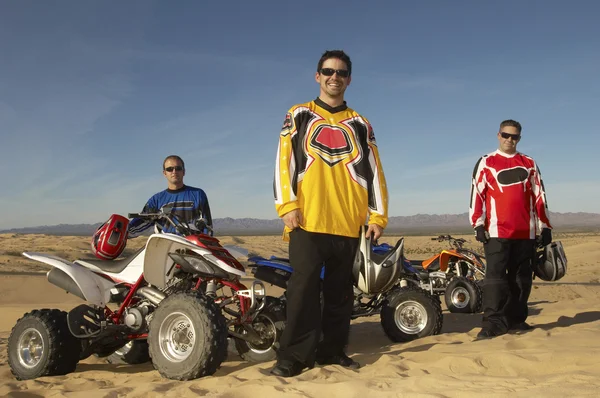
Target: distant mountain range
<point>418,223</point>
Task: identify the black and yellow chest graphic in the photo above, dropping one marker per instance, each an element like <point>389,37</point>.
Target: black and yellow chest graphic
<point>332,144</point>
<point>325,139</point>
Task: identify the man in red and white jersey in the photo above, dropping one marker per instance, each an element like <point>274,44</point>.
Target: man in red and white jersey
<point>508,209</point>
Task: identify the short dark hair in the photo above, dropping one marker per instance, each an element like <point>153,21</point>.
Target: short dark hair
<point>174,157</point>
<point>339,54</point>
<point>511,123</point>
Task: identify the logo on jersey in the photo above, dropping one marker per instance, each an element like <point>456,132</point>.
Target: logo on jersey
<point>513,176</point>
<point>331,143</point>
<point>371,134</point>
<point>287,123</point>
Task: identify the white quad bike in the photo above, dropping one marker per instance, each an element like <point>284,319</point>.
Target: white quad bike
<point>168,301</point>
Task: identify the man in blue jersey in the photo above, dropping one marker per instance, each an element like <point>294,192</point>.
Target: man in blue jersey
<point>187,203</point>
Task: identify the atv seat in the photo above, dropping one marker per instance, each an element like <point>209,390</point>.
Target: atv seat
<point>280,259</point>
<point>433,266</point>
<point>417,268</point>
<point>112,266</point>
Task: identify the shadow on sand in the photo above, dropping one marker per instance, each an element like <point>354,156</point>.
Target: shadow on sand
<point>567,283</point>
<point>108,367</point>
<point>232,363</point>
<point>566,321</point>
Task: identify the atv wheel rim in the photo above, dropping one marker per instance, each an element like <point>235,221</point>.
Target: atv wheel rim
<point>177,337</point>
<point>267,331</point>
<point>410,317</point>
<point>31,348</point>
<point>460,297</point>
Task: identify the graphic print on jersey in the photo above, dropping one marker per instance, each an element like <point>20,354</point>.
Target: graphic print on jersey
<point>331,143</point>
<point>184,210</point>
<point>372,136</point>
<point>512,176</point>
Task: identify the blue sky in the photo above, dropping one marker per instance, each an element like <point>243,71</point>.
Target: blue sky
<point>93,96</point>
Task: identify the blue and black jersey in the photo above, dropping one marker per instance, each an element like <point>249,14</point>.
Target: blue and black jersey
<point>187,203</point>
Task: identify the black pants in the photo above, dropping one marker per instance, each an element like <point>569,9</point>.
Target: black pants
<point>308,253</point>
<point>507,284</point>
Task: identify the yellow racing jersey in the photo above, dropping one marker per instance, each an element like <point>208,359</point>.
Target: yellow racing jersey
<point>328,166</point>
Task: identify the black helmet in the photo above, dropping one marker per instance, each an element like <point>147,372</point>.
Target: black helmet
<point>550,263</point>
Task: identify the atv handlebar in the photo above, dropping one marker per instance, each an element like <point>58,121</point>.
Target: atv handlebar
<point>145,215</point>
<point>181,227</point>
<point>456,242</point>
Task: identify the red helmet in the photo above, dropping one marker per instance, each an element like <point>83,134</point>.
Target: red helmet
<point>110,238</point>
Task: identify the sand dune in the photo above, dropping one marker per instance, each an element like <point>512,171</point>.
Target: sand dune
<point>558,358</point>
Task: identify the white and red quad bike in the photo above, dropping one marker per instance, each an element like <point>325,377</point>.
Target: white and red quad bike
<point>175,300</point>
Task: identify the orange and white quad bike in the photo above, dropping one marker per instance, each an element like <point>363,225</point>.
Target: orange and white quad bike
<point>454,273</point>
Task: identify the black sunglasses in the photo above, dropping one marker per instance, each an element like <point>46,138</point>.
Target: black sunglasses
<point>176,168</point>
<point>514,137</point>
<point>330,72</point>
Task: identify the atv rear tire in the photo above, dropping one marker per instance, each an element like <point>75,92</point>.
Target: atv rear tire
<point>40,344</point>
<point>269,325</point>
<point>409,313</point>
<point>132,353</point>
<point>187,337</point>
<point>463,296</point>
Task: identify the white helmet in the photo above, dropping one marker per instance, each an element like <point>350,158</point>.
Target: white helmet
<point>373,272</point>
<point>550,263</point>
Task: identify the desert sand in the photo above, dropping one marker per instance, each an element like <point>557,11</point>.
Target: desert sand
<point>558,358</point>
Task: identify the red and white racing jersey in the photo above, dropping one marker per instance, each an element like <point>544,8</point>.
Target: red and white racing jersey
<point>507,196</point>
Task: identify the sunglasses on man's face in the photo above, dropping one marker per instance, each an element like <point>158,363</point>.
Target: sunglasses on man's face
<point>331,71</point>
<point>176,168</point>
<point>514,137</point>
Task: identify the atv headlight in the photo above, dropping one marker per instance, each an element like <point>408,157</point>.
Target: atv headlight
<point>195,264</point>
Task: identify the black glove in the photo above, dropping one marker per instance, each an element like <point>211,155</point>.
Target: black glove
<point>481,235</point>
<point>546,237</point>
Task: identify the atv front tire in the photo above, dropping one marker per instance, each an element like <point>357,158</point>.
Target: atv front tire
<point>409,313</point>
<point>187,337</point>
<point>40,344</point>
<point>463,296</point>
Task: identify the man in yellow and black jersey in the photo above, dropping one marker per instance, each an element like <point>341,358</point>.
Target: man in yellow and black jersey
<point>328,183</point>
